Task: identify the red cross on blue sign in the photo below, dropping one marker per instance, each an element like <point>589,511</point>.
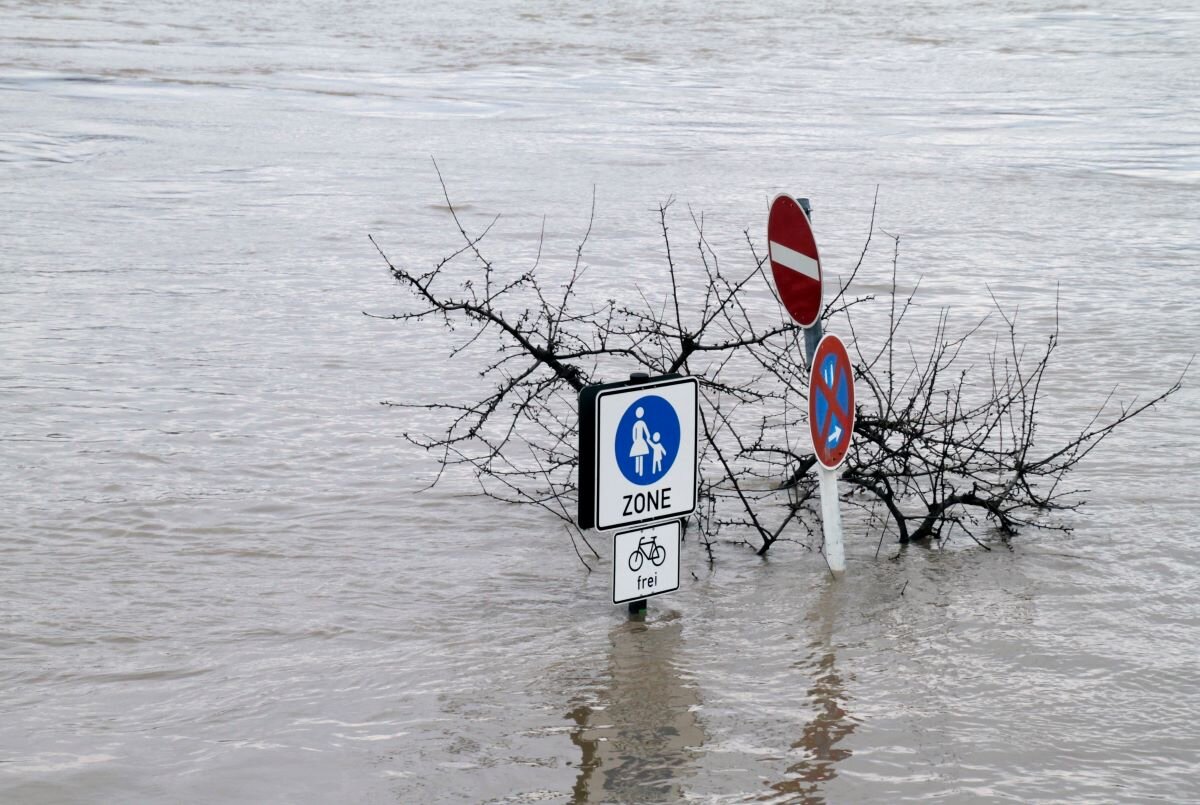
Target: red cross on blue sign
<point>831,402</point>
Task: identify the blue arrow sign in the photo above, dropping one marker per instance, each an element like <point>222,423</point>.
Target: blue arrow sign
<point>832,397</point>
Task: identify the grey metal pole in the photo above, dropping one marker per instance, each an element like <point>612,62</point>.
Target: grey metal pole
<point>812,335</point>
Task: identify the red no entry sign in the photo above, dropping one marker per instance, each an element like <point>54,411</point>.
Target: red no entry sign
<point>795,263</point>
<point>831,402</point>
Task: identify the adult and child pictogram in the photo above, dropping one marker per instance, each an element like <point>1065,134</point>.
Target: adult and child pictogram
<point>647,440</point>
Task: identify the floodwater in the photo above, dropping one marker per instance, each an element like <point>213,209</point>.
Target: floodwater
<point>218,579</point>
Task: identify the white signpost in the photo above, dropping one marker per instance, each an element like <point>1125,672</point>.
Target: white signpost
<point>638,475</point>
<point>645,453</point>
<point>831,427</point>
<point>646,562</point>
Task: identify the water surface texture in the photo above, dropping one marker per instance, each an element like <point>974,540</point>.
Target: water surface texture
<point>218,581</point>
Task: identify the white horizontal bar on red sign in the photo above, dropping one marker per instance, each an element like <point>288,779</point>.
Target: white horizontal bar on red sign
<point>796,261</point>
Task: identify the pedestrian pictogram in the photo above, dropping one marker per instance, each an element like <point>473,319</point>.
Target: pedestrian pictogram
<point>831,402</point>
<point>795,263</point>
<point>647,440</point>
<point>637,452</point>
<point>646,562</point>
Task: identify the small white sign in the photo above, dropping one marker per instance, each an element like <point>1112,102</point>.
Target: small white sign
<point>645,453</point>
<point>646,562</point>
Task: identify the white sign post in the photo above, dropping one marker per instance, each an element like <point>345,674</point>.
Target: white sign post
<point>646,562</point>
<point>638,474</point>
<point>831,427</point>
<point>645,453</point>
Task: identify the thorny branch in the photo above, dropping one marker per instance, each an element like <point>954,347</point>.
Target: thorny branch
<point>940,444</point>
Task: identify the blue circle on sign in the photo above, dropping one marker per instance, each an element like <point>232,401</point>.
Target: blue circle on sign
<point>835,380</point>
<point>647,440</point>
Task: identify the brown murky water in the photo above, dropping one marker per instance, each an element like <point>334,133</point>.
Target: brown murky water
<point>217,580</point>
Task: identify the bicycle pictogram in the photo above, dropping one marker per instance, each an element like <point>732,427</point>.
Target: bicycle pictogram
<point>636,579</point>
<point>648,548</point>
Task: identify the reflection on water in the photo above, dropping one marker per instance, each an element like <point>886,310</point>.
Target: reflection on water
<point>831,724</point>
<point>639,740</point>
